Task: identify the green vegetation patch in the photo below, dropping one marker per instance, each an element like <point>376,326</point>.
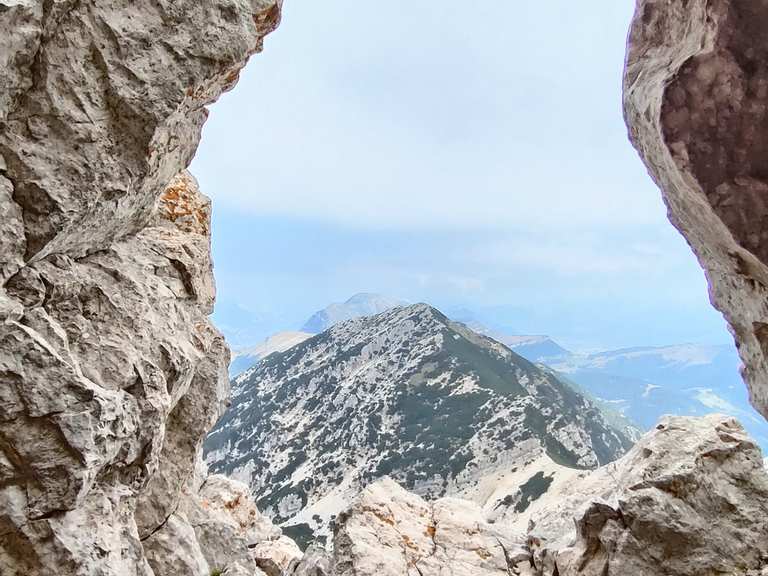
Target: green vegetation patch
<point>533,489</point>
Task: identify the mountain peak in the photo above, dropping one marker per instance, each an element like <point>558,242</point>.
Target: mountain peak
<point>405,393</point>
<point>360,304</point>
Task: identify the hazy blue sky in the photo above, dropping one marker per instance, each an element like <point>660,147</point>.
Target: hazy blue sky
<point>463,154</point>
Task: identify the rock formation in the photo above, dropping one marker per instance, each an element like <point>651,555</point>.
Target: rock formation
<point>217,527</point>
<point>390,532</point>
<point>696,103</point>
<point>690,499</point>
<point>110,371</point>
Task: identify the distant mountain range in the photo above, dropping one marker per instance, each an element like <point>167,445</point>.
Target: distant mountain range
<point>646,382</point>
<point>642,383</point>
<point>247,357</point>
<point>406,393</point>
<point>362,304</point>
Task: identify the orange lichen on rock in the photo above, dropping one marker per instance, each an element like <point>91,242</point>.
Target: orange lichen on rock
<point>182,203</point>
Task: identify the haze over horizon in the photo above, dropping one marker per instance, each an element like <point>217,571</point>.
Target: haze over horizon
<point>414,157</point>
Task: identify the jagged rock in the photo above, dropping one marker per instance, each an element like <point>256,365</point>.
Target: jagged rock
<point>174,549</point>
<point>227,524</point>
<point>216,528</point>
<point>275,556</point>
<point>238,569</point>
<point>315,562</point>
<point>696,103</point>
<point>388,530</point>
<point>110,371</point>
<point>690,499</point>
<point>229,501</point>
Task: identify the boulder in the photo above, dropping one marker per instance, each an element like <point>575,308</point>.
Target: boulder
<point>174,549</point>
<point>315,562</point>
<point>275,556</point>
<point>690,499</point>
<point>389,531</point>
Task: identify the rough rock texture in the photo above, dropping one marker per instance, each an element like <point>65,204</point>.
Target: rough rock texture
<point>275,556</point>
<point>696,103</point>
<point>174,549</point>
<point>110,372</point>
<point>315,562</point>
<point>389,531</point>
<point>217,527</point>
<point>690,499</point>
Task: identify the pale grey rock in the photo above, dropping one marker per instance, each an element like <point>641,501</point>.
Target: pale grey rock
<point>104,102</point>
<point>695,101</point>
<point>690,499</point>
<point>221,500</point>
<point>238,569</point>
<point>110,371</point>
<point>275,556</point>
<point>315,562</point>
<point>231,532</point>
<point>174,549</point>
<point>389,531</point>
<point>12,243</point>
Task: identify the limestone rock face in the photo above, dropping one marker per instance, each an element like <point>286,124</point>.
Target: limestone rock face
<point>110,371</point>
<point>316,561</point>
<point>690,499</point>
<point>696,103</point>
<point>216,527</point>
<point>174,549</point>
<point>389,531</point>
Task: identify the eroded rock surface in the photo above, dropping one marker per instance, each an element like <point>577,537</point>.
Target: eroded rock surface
<point>691,498</point>
<point>696,103</point>
<point>110,371</point>
<point>217,528</point>
<point>389,531</point>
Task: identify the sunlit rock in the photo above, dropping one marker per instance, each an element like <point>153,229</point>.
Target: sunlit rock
<point>690,498</point>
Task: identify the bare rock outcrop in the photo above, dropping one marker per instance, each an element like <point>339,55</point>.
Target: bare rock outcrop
<point>696,103</point>
<point>110,371</point>
<point>316,561</point>
<point>690,499</point>
<point>217,528</point>
<point>389,531</point>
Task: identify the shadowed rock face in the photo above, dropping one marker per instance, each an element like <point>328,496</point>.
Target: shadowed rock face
<point>110,371</point>
<point>696,103</point>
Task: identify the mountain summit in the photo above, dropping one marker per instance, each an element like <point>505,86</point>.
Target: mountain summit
<point>362,304</point>
<point>406,393</point>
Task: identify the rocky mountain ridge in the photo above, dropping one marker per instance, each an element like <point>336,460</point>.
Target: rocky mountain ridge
<point>406,393</point>
<point>356,306</point>
<point>688,500</point>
